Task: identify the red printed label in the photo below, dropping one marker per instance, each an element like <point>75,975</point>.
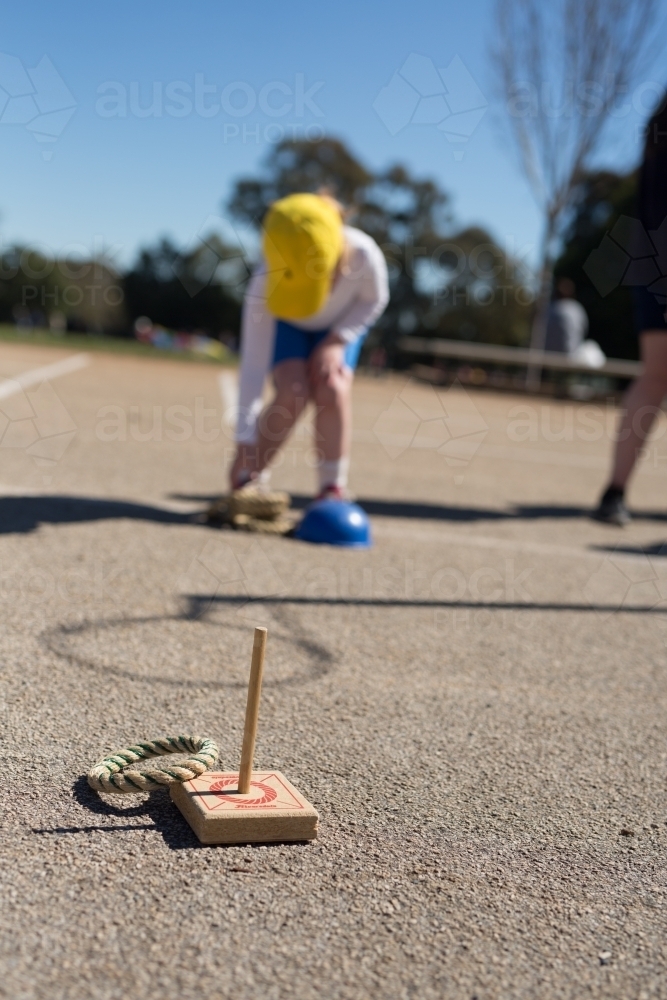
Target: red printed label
<point>268,791</point>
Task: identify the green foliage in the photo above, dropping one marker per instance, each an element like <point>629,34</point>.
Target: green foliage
<point>196,290</point>
<point>440,285</point>
<point>28,281</point>
<point>187,291</point>
<point>484,297</point>
<point>38,290</point>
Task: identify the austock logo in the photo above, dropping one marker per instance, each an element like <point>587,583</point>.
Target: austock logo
<point>421,94</point>
<point>35,421</point>
<point>212,256</point>
<point>624,580</point>
<point>447,422</point>
<point>629,255</point>
<point>37,98</point>
<point>240,574</point>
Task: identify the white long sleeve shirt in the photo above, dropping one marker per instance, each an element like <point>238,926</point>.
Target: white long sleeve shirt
<point>358,297</point>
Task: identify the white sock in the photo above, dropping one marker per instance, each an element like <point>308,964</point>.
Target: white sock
<point>333,473</point>
<point>245,476</point>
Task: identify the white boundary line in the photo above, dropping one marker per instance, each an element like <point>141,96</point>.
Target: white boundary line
<point>508,453</point>
<point>422,533</point>
<point>228,386</point>
<point>11,386</point>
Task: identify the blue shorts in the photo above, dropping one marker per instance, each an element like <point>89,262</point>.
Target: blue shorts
<point>293,342</point>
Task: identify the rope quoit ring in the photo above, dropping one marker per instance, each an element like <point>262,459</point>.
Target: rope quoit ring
<point>108,775</point>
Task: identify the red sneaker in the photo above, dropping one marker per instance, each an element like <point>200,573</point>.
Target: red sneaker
<point>333,493</point>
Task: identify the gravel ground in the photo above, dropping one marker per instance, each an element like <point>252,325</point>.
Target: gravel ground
<point>475,706</point>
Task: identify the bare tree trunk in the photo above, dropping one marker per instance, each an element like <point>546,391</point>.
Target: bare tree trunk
<point>585,53</point>
<point>538,332</point>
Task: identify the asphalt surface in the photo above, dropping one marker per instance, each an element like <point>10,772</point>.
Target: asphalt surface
<point>476,706</point>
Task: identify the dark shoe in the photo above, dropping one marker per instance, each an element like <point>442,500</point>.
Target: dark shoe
<point>612,509</point>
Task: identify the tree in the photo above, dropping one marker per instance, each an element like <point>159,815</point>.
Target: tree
<point>411,221</point>
<point>28,286</point>
<point>187,291</point>
<point>484,298</point>
<point>81,295</point>
<point>600,199</point>
<point>561,68</point>
<point>304,165</point>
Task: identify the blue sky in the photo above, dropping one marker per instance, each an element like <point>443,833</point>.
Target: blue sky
<point>119,176</point>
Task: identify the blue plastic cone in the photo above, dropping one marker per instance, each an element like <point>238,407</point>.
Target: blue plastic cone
<point>335,522</point>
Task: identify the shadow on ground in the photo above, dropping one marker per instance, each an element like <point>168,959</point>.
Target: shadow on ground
<point>439,512</point>
<point>22,514</point>
<point>320,660</point>
<point>658,549</point>
<point>208,600</point>
<point>156,806</point>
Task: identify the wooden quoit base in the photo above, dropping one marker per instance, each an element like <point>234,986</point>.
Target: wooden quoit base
<point>248,807</point>
<point>272,811</point>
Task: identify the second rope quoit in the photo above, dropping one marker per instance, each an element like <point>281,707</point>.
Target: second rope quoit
<point>114,774</point>
<point>253,509</point>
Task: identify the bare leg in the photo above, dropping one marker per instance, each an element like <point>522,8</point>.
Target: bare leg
<point>333,415</point>
<point>276,420</point>
<point>295,385</point>
<point>641,405</point>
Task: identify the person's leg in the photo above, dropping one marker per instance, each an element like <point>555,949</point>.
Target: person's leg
<point>333,426</point>
<point>640,406</point>
<point>290,351</point>
<point>290,379</point>
<point>297,381</point>
<point>331,386</point>
<point>333,416</point>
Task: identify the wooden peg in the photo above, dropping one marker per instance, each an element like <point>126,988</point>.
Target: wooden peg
<point>261,808</point>
<point>252,709</point>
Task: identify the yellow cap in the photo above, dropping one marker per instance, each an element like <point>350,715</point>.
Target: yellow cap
<point>303,241</point>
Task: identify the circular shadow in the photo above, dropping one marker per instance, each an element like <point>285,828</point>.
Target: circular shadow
<point>177,651</point>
